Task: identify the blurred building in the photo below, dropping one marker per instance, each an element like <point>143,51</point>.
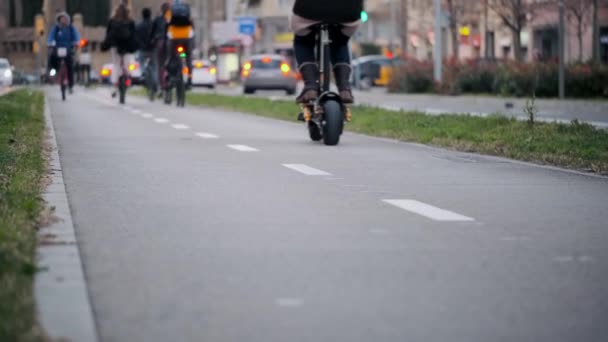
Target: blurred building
<point>20,37</point>
<point>397,25</point>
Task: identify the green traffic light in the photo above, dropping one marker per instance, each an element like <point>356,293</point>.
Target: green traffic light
<point>183,55</point>
<point>364,16</point>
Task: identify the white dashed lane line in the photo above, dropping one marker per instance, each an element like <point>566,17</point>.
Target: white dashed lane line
<point>180,127</point>
<point>207,135</point>
<point>147,116</point>
<point>307,170</point>
<point>428,211</point>
<point>161,120</point>
<point>243,148</point>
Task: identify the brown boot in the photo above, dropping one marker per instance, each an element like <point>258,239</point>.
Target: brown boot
<point>310,76</point>
<point>342,75</point>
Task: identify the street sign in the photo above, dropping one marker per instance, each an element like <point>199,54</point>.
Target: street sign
<point>247,25</point>
<point>246,40</point>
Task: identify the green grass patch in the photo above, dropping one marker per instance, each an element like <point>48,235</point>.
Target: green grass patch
<point>576,146</point>
<point>22,168</point>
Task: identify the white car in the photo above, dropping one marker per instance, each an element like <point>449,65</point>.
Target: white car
<point>132,65</point>
<point>204,74</point>
<point>6,72</point>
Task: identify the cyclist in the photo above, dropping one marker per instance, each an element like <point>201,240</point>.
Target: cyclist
<point>145,42</point>
<point>63,35</point>
<point>159,39</point>
<point>120,34</point>
<point>180,32</point>
<point>308,13</point>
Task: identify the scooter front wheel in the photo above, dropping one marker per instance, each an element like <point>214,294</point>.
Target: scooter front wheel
<point>333,122</point>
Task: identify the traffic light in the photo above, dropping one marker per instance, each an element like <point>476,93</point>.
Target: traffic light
<point>364,17</point>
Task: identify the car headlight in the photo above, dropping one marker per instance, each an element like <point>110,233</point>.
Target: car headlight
<point>8,73</point>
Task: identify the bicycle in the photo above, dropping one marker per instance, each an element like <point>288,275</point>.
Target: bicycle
<point>176,71</point>
<point>62,74</point>
<point>325,117</point>
<point>149,79</point>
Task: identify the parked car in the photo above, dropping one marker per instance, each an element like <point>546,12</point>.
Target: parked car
<point>374,70</point>
<point>6,72</point>
<point>204,73</point>
<point>268,72</point>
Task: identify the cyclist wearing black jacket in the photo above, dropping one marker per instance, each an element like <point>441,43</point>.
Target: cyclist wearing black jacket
<point>159,38</point>
<point>308,13</point>
<point>145,42</point>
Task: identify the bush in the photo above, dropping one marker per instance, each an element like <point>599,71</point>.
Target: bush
<point>506,79</point>
<point>413,77</point>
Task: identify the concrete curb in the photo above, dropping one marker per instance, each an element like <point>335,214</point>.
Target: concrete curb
<point>63,305</point>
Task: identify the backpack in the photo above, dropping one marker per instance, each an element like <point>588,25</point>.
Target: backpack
<point>180,15</point>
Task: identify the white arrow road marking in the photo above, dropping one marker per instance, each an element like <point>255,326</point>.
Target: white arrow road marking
<point>307,170</point>
<point>428,210</point>
<point>243,148</point>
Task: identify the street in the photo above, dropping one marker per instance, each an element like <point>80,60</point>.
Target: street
<point>199,224</point>
<point>594,112</point>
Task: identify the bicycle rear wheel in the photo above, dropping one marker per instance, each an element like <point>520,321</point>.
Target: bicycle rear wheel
<point>180,93</point>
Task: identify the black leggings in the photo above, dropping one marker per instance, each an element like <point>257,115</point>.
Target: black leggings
<point>304,47</point>
<point>172,51</point>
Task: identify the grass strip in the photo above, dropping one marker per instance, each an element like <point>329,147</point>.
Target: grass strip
<point>577,146</point>
<point>22,168</point>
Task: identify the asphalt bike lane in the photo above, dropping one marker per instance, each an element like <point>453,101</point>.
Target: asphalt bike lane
<point>213,225</point>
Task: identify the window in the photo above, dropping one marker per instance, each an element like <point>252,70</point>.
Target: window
<point>21,13</point>
<point>95,13</point>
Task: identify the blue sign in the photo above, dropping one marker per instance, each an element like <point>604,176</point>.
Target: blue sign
<point>247,25</point>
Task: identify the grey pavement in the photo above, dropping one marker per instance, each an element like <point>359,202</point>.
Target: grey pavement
<point>205,225</point>
<point>62,299</point>
<point>592,111</point>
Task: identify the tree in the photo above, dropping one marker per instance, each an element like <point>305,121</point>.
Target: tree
<point>514,14</point>
<point>454,11</point>
<point>404,26</point>
<point>578,13</point>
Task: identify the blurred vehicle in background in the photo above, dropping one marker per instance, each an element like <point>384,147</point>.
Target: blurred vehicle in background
<point>268,72</point>
<point>94,77</point>
<point>105,73</point>
<point>204,74</point>
<point>6,72</point>
<point>20,77</point>
<point>374,70</point>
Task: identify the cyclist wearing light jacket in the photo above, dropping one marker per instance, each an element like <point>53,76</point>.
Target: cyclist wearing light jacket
<point>308,13</point>
<point>63,35</point>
